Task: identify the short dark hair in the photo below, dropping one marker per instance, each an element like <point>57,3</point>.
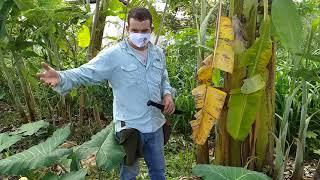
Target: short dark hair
<point>140,14</point>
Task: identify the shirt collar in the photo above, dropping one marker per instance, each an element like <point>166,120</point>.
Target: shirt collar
<point>152,52</point>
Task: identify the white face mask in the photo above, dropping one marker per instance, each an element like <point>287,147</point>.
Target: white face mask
<point>139,39</point>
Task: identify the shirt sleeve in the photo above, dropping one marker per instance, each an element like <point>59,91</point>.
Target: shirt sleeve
<point>165,82</point>
<point>95,71</point>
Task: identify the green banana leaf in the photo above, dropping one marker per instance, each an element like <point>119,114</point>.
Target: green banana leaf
<point>41,155</point>
<point>242,112</point>
<point>212,172</point>
<point>287,24</point>
<point>258,55</point>
<point>253,84</point>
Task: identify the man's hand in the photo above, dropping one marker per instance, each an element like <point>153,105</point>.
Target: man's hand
<point>49,76</point>
<point>168,103</point>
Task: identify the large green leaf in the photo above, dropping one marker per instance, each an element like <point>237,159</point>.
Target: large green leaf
<point>258,55</point>
<point>242,112</point>
<point>24,5</point>
<point>114,8</point>
<point>212,172</point>
<point>6,140</point>
<point>111,153</point>
<point>41,155</point>
<point>92,146</point>
<point>31,128</point>
<point>253,84</point>
<point>287,23</point>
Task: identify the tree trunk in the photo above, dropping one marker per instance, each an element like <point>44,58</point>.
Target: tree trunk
<point>95,44</point>
<point>20,67</point>
<point>13,91</point>
<point>101,23</point>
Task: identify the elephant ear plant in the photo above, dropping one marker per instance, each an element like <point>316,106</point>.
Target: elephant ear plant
<point>42,155</point>
<point>103,145</point>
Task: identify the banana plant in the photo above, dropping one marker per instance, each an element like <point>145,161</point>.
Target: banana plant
<point>246,121</point>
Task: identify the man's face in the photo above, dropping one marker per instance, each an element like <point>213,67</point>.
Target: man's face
<point>137,26</point>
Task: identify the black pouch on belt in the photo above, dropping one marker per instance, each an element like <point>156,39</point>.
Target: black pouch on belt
<point>130,139</point>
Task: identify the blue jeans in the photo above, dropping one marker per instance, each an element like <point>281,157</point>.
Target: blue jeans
<point>153,152</point>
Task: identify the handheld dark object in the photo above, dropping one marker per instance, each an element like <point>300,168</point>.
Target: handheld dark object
<point>160,106</point>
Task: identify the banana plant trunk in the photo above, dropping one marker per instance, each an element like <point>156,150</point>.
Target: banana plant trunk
<point>13,90</point>
<point>29,98</point>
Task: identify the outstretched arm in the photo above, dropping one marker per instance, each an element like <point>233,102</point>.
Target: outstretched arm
<point>97,70</point>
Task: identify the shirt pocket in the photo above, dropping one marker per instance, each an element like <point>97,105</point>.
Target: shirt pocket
<point>129,72</point>
<point>157,71</point>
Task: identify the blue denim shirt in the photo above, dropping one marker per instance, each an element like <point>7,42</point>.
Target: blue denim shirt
<point>133,84</point>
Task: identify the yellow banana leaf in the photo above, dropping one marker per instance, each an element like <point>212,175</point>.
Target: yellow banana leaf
<point>224,55</point>
<point>205,72</point>
<point>210,101</point>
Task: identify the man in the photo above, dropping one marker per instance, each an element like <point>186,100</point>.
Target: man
<point>136,70</point>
